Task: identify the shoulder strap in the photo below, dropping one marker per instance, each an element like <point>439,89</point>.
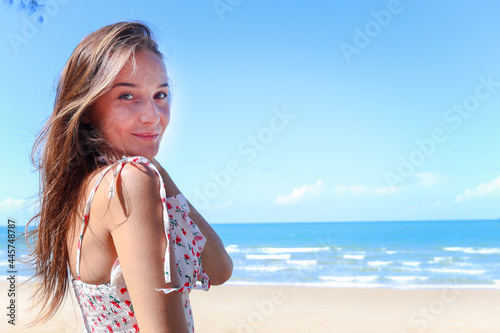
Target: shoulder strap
<point>166,220</point>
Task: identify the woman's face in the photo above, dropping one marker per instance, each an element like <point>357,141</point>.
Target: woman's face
<point>134,114</point>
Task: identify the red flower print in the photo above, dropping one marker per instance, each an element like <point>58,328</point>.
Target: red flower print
<point>169,206</point>
<point>130,313</point>
<point>186,257</point>
<point>92,305</point>
<point>197,254</point>
<point>123,290</point>
<point>183,231</point>
<point>136,328</point>
<point>127,302</point>
<point>109,328</point>
<point>116,304</point>
<point>198,238</point>
<point>177,240</point>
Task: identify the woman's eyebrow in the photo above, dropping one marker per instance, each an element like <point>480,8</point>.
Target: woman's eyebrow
<point>126,84</point>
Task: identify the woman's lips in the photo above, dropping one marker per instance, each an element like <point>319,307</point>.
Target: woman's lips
<point>146,136</point>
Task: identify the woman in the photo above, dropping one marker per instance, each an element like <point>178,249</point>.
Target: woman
<point>108,211</point>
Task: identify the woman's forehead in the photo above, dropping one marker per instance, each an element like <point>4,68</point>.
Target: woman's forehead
<point>144,67</point>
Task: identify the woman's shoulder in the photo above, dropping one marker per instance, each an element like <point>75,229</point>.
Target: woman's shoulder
<point>125,184</point>
<point>137,181</point>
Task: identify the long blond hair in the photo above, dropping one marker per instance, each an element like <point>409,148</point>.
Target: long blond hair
<point>65,152</point>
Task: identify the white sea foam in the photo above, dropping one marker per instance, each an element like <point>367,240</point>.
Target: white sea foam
<point>264,268</point>
<point>411,263</point>
<point>379,263</point>
<point>330,283</point>
<point>473,250</point>
<point>268,256</point>
<point>406,278</point>
<point>338,278</point>
<point>366,278</point>
<point>369,278</point>
<point>391,252</point>
<point>457,270</point>
<point>439,259</point>
<point>272,250</point>
<point>232,249</point>
<point>301,263</point>
<point>354,256</point>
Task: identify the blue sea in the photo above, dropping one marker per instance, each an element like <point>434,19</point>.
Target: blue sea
<point>426,254</point>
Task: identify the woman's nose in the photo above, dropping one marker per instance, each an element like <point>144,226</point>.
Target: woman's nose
<point>149,112</point>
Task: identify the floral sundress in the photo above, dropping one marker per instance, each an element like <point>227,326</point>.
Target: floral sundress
<point>108,307</point>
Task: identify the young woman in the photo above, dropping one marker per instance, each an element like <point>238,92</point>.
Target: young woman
<point>109,212</point>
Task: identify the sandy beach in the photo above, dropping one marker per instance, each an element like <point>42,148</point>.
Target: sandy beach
<point>246,309</point>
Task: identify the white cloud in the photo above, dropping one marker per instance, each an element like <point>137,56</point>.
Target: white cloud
<point>298,193</point>
<point>480,190</point>
<point>361,189</point>
<point>427,179</point>
<point>11,203</point>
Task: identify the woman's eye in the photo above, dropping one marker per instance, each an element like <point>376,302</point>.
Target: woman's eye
<point>127,96</point>
<point>161,95</point>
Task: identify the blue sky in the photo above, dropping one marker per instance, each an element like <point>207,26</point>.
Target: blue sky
<point>291,111</point>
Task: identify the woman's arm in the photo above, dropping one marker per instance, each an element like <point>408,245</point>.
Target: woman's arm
<point>135,221</point>
<point>215,260</point>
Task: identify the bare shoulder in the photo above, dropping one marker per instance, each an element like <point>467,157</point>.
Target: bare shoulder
<point>136,193</point>
<point>138,179</point>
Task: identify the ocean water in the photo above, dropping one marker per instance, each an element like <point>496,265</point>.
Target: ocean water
<point>427,254</point>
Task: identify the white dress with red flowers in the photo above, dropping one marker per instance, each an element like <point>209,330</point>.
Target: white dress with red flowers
<point>108,307</point>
